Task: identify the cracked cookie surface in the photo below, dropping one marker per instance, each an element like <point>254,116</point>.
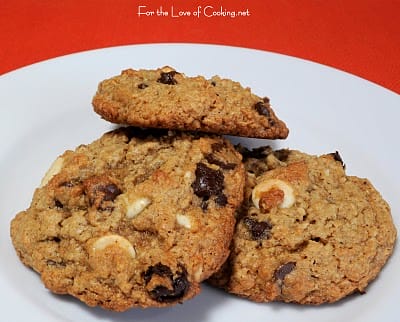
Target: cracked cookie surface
<point>130,220</point>
<point>165,98</point>
<point>306,233</point>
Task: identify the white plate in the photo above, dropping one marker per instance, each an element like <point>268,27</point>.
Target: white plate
<point>46,108</point>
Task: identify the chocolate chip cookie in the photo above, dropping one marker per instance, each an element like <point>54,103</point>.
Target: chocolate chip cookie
<point>165,98</point>
<point>306,233</point>
<point>136,218</point>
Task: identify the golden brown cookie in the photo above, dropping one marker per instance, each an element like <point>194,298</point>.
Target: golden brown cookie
<point>307,233</point>
<point>136,218</point>
<point>165,98</point>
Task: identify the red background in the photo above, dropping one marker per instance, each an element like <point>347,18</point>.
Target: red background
<point>358,36</point>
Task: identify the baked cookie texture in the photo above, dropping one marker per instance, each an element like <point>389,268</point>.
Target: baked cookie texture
<point>136,218</point>
<point>165,98</point>
<point>306,233</point>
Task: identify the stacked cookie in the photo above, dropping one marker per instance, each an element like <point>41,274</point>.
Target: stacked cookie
<point>146,213</point>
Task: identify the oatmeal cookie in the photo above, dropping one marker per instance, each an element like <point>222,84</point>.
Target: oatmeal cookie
<point>165,98</point>
<point>306,233</point>
<point>136,218</point>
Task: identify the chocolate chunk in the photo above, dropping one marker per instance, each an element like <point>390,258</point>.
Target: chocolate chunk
<point>259,229</point>
<point>262,109</point>
<point>179,284</point>
<point>168,78</point>
<point>204,204</point>
<point>159,269</point>
<point>213,160</point>
<point>282,154</point>
<point>283,270</point>
<point>55,239</point>
<point>142,86</point>
<point>336,156</point>
<point>161,293</point>
<point>58,203</point>
<point>208,181</point>
<point>255,153</point>
<point>111,191</point>
<point>221,200</point>
<point>100,189</point>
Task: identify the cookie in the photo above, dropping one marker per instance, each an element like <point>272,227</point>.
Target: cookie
<point>165,98</point>
<point>307,233</point>
<point>136,218</point>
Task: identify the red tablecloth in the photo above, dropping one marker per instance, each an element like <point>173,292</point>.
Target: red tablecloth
<point>358,36</point>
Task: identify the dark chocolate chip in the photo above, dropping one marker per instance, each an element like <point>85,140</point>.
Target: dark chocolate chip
<point>111,191</point>
<point>213,83</point>
<point>208,181</point>
<point>259,229</point>
<point>262,109</point>
<point>283,270</point>
<point>159,269</point>
<point>142,86</point>
<point>255,153</point>
<point>99,190</point>
<point>161,293</point>
<point>55,239</point>
<point>168,78</point>
<point>213,160</point>
<point>282,154</point>
<point>164,295</point>
<point>181,284</point>
<point>336,156</point>
<point>221,200</point>
<point>204,204</point>
<point>58,203</point>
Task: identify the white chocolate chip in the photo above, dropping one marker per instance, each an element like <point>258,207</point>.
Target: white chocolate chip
<point>198,275</point>
<point>183,221</point>
<point>116,240</point>
<point>188,176</point>
<point>54,169</point>
<point>267,185</point>
<point>136,206</point>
